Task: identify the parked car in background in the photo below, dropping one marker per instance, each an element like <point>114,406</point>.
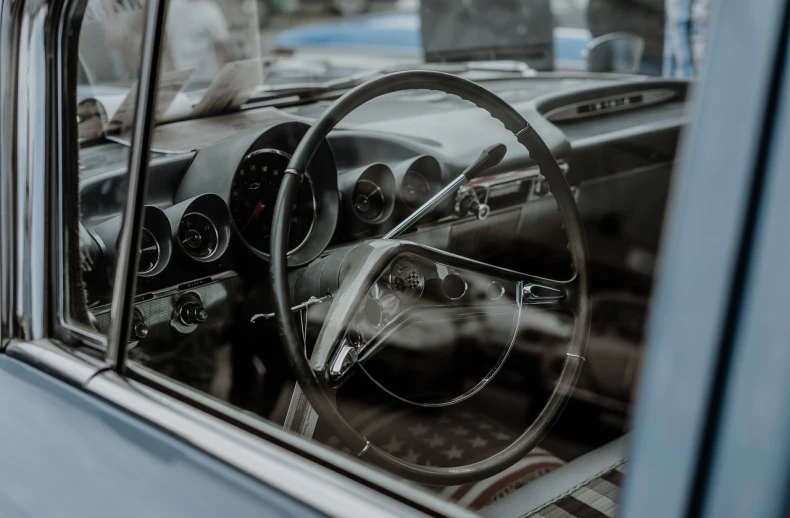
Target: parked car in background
<point>342,7</point>
<point>396,35</point>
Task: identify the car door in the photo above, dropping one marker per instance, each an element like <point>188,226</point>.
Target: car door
<point>711,425</point>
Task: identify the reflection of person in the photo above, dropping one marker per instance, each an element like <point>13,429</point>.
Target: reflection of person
<point>120,26</point>
<point>198,37</point>
<point>686,30</point>
<point>644,18</point>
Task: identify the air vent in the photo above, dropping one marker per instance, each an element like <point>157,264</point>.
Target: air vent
<point>609,104</point>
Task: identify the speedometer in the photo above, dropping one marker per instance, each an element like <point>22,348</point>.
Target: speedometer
<point>254,193</point>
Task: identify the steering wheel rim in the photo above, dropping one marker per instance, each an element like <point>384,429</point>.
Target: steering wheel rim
<point>316,387</point>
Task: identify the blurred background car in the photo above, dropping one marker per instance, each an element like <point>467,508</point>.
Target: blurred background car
<point>398,34</point>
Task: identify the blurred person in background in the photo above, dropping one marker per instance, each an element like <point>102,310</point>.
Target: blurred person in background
<point>198,37</point>
<point>642,18</point>
<point>119,26</point>
<point>686,33</point>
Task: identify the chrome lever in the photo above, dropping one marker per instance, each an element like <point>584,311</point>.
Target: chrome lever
<point>490,157</point>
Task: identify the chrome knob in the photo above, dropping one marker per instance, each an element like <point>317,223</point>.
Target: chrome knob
<point>192,313</point>
<point>139,330</point>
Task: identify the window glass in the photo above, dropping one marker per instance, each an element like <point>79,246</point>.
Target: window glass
<point>511,312</point>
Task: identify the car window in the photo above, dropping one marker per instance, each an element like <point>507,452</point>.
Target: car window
<point>450,281</point>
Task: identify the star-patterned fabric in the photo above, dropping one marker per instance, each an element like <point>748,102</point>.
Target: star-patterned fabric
<point>454,439</point>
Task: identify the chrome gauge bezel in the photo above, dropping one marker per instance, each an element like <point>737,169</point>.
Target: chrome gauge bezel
<point>148,271</point>
<point>217,247</point>
<point>322,183</point>
<point>382,179</point>
<point>157,225</point>
<point>422,178</point>
<point>306,178</point>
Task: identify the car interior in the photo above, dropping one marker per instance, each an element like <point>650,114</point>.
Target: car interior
<point>204,308</point>
<point>445,276</point>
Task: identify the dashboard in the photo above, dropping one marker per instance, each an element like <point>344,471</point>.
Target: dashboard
<point>207,222</point>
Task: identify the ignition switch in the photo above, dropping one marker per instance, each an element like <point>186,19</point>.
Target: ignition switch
<point>468,204</point>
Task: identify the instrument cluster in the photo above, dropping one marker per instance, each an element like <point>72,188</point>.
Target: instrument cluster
<point>378,196</point>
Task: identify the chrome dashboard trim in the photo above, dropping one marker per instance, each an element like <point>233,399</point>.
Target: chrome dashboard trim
<point>170,290</point>
<point>569,112</point>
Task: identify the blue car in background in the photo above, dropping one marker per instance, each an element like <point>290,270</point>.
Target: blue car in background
<point>397,35</point>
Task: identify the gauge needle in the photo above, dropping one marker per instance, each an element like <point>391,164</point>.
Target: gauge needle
<point>257,210</point>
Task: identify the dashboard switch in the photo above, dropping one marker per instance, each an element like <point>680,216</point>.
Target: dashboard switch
<point>139,327</point>
<point>468,204</point>
<point>192,313</point>
<point>188,312</point>
<point>139,330</point>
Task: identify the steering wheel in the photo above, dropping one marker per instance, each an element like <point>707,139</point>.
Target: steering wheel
<point>332,354</point>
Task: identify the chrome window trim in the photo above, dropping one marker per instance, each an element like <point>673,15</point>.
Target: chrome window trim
<point>64,327</point>
<point>24,149</point>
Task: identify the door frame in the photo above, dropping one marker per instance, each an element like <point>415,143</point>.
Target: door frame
<point>707,258</point>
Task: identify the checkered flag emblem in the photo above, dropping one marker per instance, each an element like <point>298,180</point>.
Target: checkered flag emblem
<point>407,280</point>
<point>413,280</point>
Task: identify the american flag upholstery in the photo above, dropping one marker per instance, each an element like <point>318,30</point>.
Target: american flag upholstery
<point>452,438</point>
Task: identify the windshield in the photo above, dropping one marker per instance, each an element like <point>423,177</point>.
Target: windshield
<point>226,52</point>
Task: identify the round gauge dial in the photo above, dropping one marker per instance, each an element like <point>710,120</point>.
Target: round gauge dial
<point>149,253</point>
<point>254,193</point>
<point>198,236</point>
<point>368,200</point>
<point>415,189</point>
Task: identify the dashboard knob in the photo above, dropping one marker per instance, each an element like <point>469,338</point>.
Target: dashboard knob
<point>468,204</point>
<point>191,313</point>
<point>139,330</point>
